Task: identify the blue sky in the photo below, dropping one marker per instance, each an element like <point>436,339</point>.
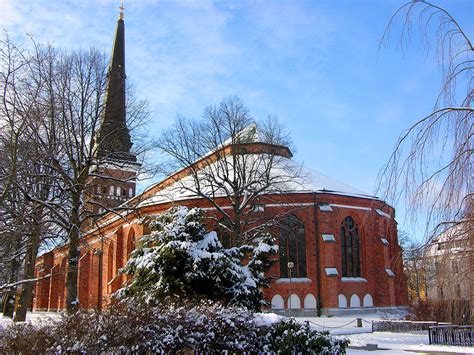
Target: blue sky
<point>316,65</point>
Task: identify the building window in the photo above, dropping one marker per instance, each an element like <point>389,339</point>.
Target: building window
<point>130,241</point>
<point>292,247</point>
<point>130,192</point>
<point>111,191</point>
<point>110,263</point>
<point>455,266</point>
<point>224,228</point>
<point>350,248</point>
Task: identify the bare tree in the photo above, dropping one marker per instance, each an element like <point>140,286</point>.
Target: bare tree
<point>230,159</point>
<point>431,165</point>
<point>77,96</point>
<point>63,122</point>
<point>23,223</point>
<point>12,103</point>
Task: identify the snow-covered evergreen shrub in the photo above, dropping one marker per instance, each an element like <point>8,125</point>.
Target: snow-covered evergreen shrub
<point>135,328</point>
<point>180,259</point>
<point>291,337</point>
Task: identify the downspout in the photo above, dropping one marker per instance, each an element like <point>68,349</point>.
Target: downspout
<point>318,255</point>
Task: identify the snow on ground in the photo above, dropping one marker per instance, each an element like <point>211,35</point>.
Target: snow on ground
<point>34,318</point>
<point>403,342</point>
<point>392,343</point>
<point>381,352</point>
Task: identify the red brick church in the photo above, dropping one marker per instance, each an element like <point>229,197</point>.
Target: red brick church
<point>342,242</point>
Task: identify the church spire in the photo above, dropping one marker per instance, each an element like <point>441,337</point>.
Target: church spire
<point>113,139</point>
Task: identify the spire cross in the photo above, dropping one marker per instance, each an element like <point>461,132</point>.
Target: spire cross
<point>121,9</point>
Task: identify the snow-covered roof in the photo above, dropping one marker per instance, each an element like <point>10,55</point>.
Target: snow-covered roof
<point>290,177</point>
<point>319,182</point>
<point>287,176</point>
<point>454,240</point>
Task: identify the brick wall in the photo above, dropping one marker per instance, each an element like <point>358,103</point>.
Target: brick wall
<point>105,253</point>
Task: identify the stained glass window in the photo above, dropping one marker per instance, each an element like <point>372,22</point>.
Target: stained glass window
<point>350,248</point>
<point>292,247</point>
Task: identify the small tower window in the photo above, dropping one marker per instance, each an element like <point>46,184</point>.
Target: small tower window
<point>111,191</point>
<point>118,191</point>
<point>130,192</point>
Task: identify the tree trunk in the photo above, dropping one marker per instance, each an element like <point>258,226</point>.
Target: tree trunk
<point>9,298</point>
<point>72,301</point>
<point>26,290</point>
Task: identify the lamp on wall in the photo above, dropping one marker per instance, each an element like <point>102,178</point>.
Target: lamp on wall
<point>290,265</point>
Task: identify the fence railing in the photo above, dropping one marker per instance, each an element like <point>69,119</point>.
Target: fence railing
<point>403,326</point>
<point>462,335</point>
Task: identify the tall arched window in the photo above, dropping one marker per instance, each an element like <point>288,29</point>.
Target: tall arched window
<point>130,242</point>
<point>63,288</point>
<point>292,247</point>
<point>224,234</point>
<point>350,248</point>
<point>110,263</point>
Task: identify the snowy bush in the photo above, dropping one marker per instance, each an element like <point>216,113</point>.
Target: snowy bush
<point>25,338</point>
<point>134,328</point>
<point>290,337</point>
<point>180,259</point>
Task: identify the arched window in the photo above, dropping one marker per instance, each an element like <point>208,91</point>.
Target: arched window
<point>130,242</point>
<point>355,301</point>
<point>294,302</point>
<point>368,301</point>
<point>342,301</point>
<point>278,302</point>
<point>62,287</point>
<point>292,247</point>
<point>84,278</point>
<point>310,302</point>
<point>350,248</point>
<point>110,263</point>
<point>224,234</point>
